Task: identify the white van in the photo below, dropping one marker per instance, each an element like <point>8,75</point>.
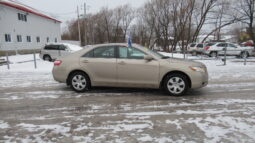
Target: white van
<point>51,52</point>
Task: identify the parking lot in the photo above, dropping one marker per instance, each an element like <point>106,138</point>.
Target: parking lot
<point>35,108</point>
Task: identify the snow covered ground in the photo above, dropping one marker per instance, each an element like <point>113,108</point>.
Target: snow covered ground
<point>35,108</point>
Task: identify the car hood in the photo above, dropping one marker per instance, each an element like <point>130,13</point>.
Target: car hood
<point>185,61</point>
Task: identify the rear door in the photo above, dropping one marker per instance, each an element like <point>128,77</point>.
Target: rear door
<point>220,48</point>
<point>100,63</point>
<point>200,47</point>
<point>134,71</point>
<point>232,49</point>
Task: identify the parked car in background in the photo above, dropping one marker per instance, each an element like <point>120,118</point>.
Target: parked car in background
<point>200,48</point>
<point>51,52</point>
<point>248,44</point>
<point>117,65</point>
<point>192,48</point>
<point>196,48</point>
<point>218,48</point>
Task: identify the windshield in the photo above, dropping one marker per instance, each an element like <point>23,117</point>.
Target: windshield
<point>156,54</point>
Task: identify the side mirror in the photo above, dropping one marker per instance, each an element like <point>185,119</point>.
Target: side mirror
<point>148,57</point>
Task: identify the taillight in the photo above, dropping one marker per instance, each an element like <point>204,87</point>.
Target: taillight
<point>207,48</point>
<point>57,63</point>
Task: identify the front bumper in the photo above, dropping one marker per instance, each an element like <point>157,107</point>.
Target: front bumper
<point>199,79</point>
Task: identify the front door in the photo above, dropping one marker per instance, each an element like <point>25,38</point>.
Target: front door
<point>134,71</point>
<point>100,63</point>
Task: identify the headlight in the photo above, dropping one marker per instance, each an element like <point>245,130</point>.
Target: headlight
<point>198,69</point>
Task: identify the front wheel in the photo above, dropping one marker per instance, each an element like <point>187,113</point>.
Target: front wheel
<point>176,84</point>
<point>213,54</point>
<point>194,53</point>
<point>79,82</point>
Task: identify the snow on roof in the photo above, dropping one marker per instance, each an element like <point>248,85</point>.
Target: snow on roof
<point>20,6</point>
<point>73,47</point>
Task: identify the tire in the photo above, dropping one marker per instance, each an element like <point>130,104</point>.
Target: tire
<point>194,53</point>
<point>244,55</point>
<point>79,82</point>
<point>213,54</point>
<point>47,58</point>
<point>176,84</point>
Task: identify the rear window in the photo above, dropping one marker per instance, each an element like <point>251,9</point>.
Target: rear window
<point>62,47</point>
<point>51,47</point>
<point>193,45</point>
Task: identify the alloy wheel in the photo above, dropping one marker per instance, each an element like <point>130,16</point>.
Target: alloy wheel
<point>79,82</point>
<point>176,85</point>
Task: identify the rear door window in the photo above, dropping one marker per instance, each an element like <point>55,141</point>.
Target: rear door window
<point>200,45</point>
<point>222,45</point>
<point>232,46</point>
<point>102,52</point>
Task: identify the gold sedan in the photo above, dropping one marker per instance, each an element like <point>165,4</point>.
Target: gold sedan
<point>117,65</point>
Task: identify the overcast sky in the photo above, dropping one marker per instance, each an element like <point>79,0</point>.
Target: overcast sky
<point>66,9</point>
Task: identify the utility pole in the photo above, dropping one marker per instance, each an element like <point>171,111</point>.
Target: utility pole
<point>79,28</point>
<point>85,17</point>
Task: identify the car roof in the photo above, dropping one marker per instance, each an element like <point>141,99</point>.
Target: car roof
<point>110,44</point>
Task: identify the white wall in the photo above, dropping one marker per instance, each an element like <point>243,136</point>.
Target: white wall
<point>35,26</point>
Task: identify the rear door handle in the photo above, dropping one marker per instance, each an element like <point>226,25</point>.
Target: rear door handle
<point>85,61</point>
<point>122,63</point>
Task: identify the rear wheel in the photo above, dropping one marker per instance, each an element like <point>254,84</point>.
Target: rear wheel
<point>47,58</point>
<point>176,84</point>
<point>79,82</point>
<point>244,55</point>
<point>213,54</point>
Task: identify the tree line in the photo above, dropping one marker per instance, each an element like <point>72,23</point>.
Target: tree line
<point>167,23</point>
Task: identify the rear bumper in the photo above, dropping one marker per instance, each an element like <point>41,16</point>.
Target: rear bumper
<point>59,74</point>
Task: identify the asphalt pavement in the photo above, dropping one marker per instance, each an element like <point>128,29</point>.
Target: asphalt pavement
<point>220,112</point>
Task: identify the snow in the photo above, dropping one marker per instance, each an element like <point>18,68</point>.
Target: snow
<point>3,125</point>
<point>72,47</point>
<point>224,121</point>
<point>25,63</point>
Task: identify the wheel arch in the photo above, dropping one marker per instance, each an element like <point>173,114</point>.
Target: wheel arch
<point>44,55</point>
<point>175,72</point>
<point>76,70</point>
<point>248,54</point>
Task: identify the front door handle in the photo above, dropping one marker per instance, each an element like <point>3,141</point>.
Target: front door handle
<point>122,63</point>
<point>85,61</point>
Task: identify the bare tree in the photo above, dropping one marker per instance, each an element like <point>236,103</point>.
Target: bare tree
<point>203,8</point>
<point>246,10</point>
